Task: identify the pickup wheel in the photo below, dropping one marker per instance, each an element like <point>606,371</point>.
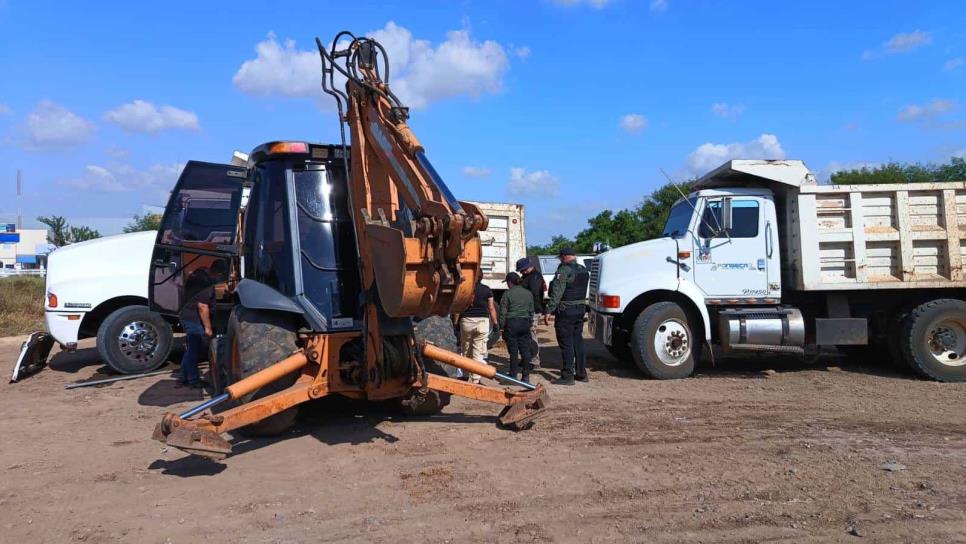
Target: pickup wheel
<point>933,340</point>
<point>257,340</point>
<point>133,339</point>
<point>663,344</point>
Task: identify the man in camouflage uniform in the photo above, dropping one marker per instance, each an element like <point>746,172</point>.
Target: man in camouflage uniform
<point>568,305</point>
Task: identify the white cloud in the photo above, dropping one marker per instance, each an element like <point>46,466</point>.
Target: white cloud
<point>658,6</point>
<point>477,172</point>
<point>522,52</point>
<point>594,3</point>
<point>116,152</point>
<point>915,112</point>
<point>709,155</point>
<point>5,109</point>
<point>539,183</point>
<point>420,72</point>
<point>900,43</point>
<point>633,123</point>
<point>904,43</point>
<point>157,179</point>
<point>278,70</point>
<point>142,116</point>
<point>51,125</point>
<point>953,64</point>
<point>728,111</point>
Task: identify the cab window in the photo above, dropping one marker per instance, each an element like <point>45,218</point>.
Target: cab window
<point>203,212</point>
<point>744,220</point>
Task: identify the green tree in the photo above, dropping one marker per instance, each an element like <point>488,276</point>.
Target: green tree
<point>58,231</point>
<point>148,221</point>
<point>894,172</point>
<point>556,244</point>
<point>81,234</point>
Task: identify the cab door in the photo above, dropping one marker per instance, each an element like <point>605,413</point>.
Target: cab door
<point>731,255</point>
<point>197,244</point>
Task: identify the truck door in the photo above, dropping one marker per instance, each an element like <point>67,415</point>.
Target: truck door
<point>196,244</point>
<point>732,262</point>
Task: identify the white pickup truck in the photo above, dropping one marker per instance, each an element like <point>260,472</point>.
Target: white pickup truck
<point>99,288</point>
<point>761,258</point>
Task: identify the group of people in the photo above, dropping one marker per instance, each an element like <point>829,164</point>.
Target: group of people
<point>521,310</point>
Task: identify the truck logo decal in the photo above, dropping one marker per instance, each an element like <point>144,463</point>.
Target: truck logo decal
<point>77,305</point>
<point>731,266</point>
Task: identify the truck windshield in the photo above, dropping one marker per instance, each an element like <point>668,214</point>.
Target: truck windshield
<point>679,218</point>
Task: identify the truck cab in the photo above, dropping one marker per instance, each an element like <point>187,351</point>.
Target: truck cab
<point>761,258</point>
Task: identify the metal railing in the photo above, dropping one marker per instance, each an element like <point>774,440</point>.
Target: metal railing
<point>10,272</point>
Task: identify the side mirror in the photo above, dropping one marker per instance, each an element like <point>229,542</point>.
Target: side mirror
<point>726,219</point>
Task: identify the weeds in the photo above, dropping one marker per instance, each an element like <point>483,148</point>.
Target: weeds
<point>21,305</point>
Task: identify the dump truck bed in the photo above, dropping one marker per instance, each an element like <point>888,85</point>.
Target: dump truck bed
<point>842,237</point>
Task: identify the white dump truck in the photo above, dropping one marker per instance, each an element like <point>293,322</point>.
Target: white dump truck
<point>504,242</point>
<point>761,258</point>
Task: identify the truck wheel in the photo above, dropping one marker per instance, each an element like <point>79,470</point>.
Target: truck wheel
<point>933,340</point>
<point>438,331</point>
<point>133,339</point>
<point>662,343</point>
<point>219,363</point>
<point>257,340</point>
<point>621,350</point>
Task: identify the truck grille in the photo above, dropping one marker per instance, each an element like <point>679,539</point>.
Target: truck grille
<point>594,279</point>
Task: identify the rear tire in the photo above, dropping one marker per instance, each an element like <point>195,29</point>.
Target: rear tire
<point>257,340</point>
<point>663,343</point>
<point>933,340</point>
<point>437,330</point>
<point>133,339</point>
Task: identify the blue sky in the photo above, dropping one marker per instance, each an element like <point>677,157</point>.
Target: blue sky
<point>566,106</point>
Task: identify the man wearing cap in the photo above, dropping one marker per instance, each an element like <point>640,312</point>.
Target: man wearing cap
<point>533,282</point>
<point>568,305</point>
<point>516,316</point>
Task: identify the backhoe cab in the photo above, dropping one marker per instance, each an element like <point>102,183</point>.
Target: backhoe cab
<point>335,268</point>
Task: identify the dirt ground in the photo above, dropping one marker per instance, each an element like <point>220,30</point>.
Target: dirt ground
<point>748,451</point>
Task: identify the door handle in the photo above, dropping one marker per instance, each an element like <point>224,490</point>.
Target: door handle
<point>166,264</point>
<point>768,242</point>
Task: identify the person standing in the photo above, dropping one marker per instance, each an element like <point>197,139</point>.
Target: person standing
<point>475,325</point>
<point>568,304</point>
<point>533,281</point>
<point>195,317</point>
<point>516,316</point>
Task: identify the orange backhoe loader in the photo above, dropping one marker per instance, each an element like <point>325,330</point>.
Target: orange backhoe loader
<point>337,266</point>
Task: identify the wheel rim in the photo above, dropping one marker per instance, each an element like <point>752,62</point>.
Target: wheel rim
<point>138,341</point>
<point>946,341</point>
<point>672,342</point>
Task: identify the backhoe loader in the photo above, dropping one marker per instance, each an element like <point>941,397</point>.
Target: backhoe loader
<point>337,266</point>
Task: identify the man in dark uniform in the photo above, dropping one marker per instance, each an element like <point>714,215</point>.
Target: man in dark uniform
<point>533,282</point>
<point>568,304</point>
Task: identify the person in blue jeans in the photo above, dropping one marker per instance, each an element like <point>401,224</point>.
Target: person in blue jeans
<point>196,320</point>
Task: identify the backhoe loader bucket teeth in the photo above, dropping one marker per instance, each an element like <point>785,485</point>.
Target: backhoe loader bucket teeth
<point>408,278</point>
<point>521,414</point>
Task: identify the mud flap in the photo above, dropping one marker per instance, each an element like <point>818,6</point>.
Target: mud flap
<point>33,355</point>
<point>521,414</point>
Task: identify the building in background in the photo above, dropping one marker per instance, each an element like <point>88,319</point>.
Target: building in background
<point>24,249</point>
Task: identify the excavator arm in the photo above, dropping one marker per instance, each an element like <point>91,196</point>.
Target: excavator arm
<point>417,243</point>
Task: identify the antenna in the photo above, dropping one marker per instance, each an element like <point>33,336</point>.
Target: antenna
<point>686,199</point>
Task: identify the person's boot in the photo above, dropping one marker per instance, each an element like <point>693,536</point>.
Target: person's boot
<point>583,378</point>
<point>563,381</point>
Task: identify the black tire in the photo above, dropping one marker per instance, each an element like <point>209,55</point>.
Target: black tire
<point>437,330</point>
<point>654,320</point>
<point>621,350</point>
<point>922,343</point>
<point>258,339</point>
<point>219,363</point>
<point>133,339</point>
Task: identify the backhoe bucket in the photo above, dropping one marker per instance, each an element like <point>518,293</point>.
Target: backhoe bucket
<point>522,413</point>
<point>407,275</point>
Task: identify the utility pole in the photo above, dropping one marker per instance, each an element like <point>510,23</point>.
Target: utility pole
<point>19,194</point>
